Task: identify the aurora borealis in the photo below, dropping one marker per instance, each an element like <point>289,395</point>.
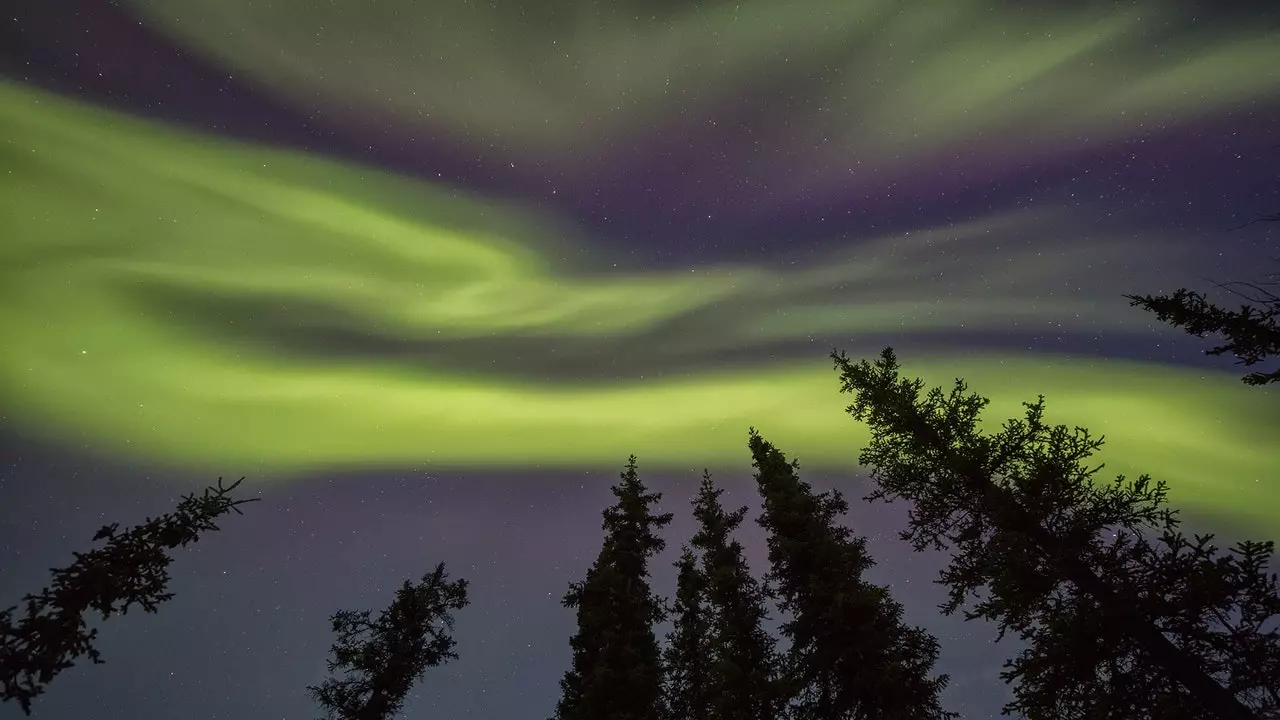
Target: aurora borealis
<point>374,239</point>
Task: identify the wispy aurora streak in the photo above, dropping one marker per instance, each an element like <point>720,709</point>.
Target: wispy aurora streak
<point>118,231</point>
<point>883,82</point>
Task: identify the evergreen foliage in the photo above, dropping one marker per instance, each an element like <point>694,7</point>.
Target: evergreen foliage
<point>743,675</point>
<point>1252,333</point>
<point>616,671</point>
<point>1122,615</point>
<point>687,659</point>
<point>851,656</point>
<point>382,659</point>
<point>131,569</point>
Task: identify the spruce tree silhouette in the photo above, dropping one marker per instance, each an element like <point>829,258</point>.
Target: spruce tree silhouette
<point>382,659</point>
<point>1123,616</point>
<point>616,673</point>
<point>131,569</point>
<point>743,678</point>
<point>1252,333</point>
<point>686,659</point>
<point>851,656</point>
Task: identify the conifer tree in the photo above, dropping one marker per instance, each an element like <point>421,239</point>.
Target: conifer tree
<point>851,656</point>
<point>743,679</point>
<point>132,569</point>
<point>686,659</point>
<point>382,659</point>
<point>1252,333</point>
<point>1121,614</point>
<point>616,671</point>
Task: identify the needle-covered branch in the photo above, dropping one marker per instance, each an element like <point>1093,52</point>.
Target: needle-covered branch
<point>1252,333</point>
<point>380,660</point>
<point>132,569</point>
<point>1122,615</point>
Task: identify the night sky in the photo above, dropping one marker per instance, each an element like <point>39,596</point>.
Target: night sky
<point>426,273</point>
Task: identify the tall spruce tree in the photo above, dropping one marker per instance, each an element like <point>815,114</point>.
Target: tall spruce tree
<point>687,657</point>
<point>851,656</point>
<point>1122,615</point>
<point>382,659</point>
<point>617,667</point>
<point>131,569</point>
<point>743,674</point>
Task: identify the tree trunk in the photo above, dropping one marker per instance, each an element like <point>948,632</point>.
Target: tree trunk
<point>1009,516</point>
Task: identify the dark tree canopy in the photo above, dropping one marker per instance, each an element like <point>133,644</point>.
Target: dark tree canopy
<point>1252,333</point>
<point>1122,615</point>
<point>382,659</point>
<point>686,660</point>
<point>131,569</point>
<point>743,673</point>
<point>851,656</point>
<point>616,671</point>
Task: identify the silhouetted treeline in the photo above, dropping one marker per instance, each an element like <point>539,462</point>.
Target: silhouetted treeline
<point>850,654</point>
<point>1122,616</point>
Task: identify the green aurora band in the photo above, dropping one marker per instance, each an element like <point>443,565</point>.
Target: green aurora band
<point>117,232</point>
<point>884,83</point>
